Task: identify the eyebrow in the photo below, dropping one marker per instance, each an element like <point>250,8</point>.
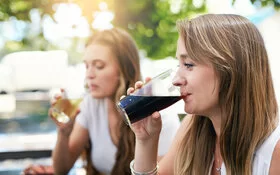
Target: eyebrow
<point>183,56</point>
<point>94,61</point>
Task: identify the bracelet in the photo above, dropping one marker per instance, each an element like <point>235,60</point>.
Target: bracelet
<point>133,172</point>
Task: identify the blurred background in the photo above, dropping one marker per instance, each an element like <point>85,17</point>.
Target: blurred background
<point>42,42</point>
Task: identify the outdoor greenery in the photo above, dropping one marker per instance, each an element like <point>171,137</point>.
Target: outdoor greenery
<point>151,22</point>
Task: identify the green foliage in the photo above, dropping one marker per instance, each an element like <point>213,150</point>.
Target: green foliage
<point>263,3</point>
<point>21,8</point>
<point>153,23</point>
<point>275,3</point>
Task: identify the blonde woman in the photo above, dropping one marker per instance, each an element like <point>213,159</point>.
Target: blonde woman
<point>226,84</point>
<point>112,65</point>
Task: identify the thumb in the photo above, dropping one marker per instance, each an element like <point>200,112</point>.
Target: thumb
<point>156,117</point>
<point>73,116</point>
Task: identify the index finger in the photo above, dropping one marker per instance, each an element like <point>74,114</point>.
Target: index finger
<point>147,79</point>
<point>130,90</point>
<point>54,100</point>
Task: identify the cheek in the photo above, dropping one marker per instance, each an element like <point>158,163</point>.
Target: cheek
<point>107,88</point>
<point>113,85</point>
<point>111,82</point>
<point>205,86</point>
<point>211,93</point>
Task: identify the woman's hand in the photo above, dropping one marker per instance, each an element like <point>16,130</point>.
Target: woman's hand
<point>148,127</point>
<point>64,127</point>
<point>38,170</point>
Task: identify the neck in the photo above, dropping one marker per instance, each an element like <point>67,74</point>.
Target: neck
<point>114,121</point>
<point>215,117</point>
<point>216,121</point>
<point>218,160</point>
<point>111,103</point>
<point>112,111</point>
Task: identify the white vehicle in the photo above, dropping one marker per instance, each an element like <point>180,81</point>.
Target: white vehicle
<point>30,75</point>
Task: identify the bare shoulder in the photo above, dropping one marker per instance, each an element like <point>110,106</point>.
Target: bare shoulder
<point>275,161</point>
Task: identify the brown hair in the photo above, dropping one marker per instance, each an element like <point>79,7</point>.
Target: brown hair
<point>235,48</point>
<point>126,52</point>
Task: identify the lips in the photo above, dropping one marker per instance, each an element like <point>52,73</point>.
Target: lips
<point>185,95</point>
<point>93,87</point>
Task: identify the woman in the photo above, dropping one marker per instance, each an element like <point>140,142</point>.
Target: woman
<point>112,65</point>
<point>225,81</point>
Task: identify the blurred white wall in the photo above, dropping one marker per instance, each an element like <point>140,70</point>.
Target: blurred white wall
<point>5,77</point>
<point>270,29</point>
<point>151,68</point>
<point>29,70</point>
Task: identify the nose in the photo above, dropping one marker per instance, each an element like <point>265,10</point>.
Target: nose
<point>90,73</point>
<point>178,80</point>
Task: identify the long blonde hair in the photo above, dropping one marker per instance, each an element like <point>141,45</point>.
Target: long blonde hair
<point>125,50</point>
<point>235,48</point>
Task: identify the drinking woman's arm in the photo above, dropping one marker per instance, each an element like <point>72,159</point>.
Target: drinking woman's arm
<point>146,145</point>
<point>147,136</point>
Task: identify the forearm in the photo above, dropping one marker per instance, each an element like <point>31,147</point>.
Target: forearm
<point>146,153</point>
<point>61,156</point>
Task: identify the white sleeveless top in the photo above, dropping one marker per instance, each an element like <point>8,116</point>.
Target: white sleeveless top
<point>94,117</point>
<point>263,155</point>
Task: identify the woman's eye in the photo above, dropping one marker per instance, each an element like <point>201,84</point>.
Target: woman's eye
<point>99,66</point>
<point>188,65</point>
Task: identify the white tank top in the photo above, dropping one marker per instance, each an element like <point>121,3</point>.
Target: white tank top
<point>263,155</point>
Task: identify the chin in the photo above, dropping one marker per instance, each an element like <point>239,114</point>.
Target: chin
<point>96,95</point>
<point>189,110</point>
